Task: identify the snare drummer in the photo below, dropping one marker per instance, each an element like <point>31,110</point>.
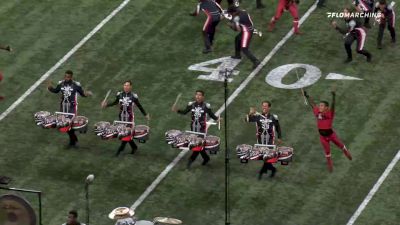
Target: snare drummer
<point>69,99</point>
<point>127,101</point>
<point>200,110</point>
<point>267,126</point>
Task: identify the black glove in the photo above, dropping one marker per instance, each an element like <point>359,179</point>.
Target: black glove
<point>305,94</point>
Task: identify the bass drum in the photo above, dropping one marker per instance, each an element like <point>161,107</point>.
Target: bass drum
<point>79,123</point>
<point>141,133</point>
<point>212,144</point>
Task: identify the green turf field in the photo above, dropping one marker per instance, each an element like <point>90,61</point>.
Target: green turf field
<point>153,43</point>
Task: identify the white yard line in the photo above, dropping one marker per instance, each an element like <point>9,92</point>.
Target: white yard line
<point>374,189</point>
<point>164,173</point>
<point>63,59</point>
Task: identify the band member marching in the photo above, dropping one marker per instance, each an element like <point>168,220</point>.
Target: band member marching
<point>355,31</point>
<point>364,6</point>
<point>325,116</point>
<point>283,5</point>
<point>127,101</point>
<point>200,110</point>
<point>268,128</point>
<point>69,100</point>
<point>241,21</point>
<point>387,17</point>
<point>213,12</point>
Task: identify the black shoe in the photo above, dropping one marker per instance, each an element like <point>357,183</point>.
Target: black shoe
<point>189,164</point>
<point>256,64</point>
<point>369,58</point>
<point>236,57</point>
<point>205,162</point>
<point>207,50</point>
<point>8,48</point>
<point>379,46</point>
<point>260,6</point>
<point>348,60</point>
<point>273,173</point>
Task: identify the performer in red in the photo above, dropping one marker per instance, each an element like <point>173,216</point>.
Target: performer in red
<point>290,5</point>
<point>325,116</point>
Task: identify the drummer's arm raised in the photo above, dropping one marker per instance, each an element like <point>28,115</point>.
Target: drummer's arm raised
<point>54,90</point>
<point>186,110</point>
<point>114,102</point>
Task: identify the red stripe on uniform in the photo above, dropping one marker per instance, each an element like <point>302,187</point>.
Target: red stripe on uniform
<point>245,37</point>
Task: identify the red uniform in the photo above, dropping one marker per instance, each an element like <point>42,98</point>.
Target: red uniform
<point>290,5</point>
<point>327,134</point>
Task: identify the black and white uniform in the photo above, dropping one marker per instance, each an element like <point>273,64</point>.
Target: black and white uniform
<point>244,25</point>
<point>69,101</point>
<point>200,112</point>
<point>366,6</point>
<point>127,102</point>
<point>69,97</point>
<point>267,126</point>
<point>354,32</point>
<point>213,12</point>
<point>389,19</point>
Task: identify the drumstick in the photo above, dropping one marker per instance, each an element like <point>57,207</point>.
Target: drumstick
<point>108,94</point>
<point>177,99</point>
<point>219,122</point>
<point>302,91</point>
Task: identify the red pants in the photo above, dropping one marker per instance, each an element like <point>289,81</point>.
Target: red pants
<point>325,143</point>
<point>292,7</point>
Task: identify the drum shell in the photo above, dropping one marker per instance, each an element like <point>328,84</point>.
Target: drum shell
<point>80,123</point>
<point>141,133</point>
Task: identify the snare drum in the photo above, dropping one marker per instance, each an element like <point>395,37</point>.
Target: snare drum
<point>181,140</point>
<point>80,123</point>
<point>141,133</point>
<point>196,143</point>
<point>109,132</point>
<point>63,121</point>
<point>101,126</point>
<point>39,117</point>
<point>285,154</point>
<point>243,152</point>
<point>212,144</point>
<point>171,135</point>
<point>259,151</point>
<point>49,121</point>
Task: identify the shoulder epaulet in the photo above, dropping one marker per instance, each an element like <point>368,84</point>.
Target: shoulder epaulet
<point>190,103</point>
<point>77,83</point>
<point>135,95</point>
<point>119,92</point>
<point>60,82</point>
<point>275,116</point>
<point>208,105</point>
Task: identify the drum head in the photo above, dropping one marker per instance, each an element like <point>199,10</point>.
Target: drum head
<point>144,222</point>
<point>15,210</point>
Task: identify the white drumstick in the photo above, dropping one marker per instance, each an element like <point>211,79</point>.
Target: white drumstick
<point>302,91</point>
<point>177,99</point>
<point>219,122</point>
<point>108,94</point>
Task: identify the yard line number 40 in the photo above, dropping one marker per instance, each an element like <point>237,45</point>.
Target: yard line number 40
<point>274,77</point>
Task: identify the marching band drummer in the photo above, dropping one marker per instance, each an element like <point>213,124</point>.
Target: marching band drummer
<point>69,99</point>
<point>127,100</point>
<point>200,110</point>
<point>267,125</point>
